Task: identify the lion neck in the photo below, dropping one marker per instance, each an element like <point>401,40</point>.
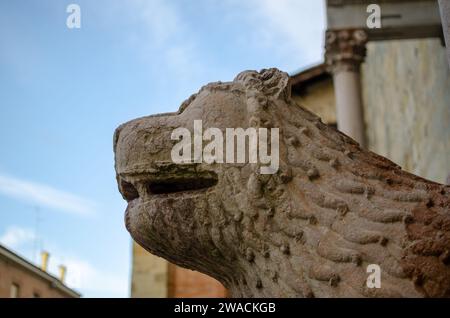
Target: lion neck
<point>333,209</point>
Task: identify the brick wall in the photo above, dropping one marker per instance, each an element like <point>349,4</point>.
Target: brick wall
<point>184,283</point>
<point>30,285</point>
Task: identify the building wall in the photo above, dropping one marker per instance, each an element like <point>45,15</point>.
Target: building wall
<point>318,97</point>
<point>30,285</point>
<point>184,283</point>
<point>149,274</point>
<point>406,94</point>
<point>153,276</point>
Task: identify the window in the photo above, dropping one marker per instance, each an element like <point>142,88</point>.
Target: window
<point>14,291</point>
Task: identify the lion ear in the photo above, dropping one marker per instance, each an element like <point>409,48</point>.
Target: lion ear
<point>272,82</point>
<point>276,83</point>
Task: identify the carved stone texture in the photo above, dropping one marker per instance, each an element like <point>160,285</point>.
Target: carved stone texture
<point>310,230</point>
<point>345,49</point>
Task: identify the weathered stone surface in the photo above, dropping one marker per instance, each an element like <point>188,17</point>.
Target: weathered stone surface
<point>309,230</point>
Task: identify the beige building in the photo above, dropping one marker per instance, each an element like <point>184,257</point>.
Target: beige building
<point>405,88</point>
<point>313,89</point>
<point>153,276</point>
<point>388,88</point>
<point>21,279</point>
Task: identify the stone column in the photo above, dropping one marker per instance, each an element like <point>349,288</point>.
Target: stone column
<point>345,51</point>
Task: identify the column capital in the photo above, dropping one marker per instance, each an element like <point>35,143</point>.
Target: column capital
<point>345,49</point>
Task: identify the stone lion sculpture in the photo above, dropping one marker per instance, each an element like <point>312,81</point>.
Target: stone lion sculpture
<point>309,230</point>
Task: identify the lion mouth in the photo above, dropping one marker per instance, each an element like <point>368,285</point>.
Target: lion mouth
<point>149,191</point>
<point>180,185</point>
<point>165,182</point>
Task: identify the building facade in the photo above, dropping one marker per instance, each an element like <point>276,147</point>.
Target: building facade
<point>405,100</point>
<point>406,103</point>
<point>21,279</point>
<point>153,276</point>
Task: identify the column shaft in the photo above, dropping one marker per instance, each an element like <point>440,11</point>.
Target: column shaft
<point>350,119</point>
<point>345,51</point>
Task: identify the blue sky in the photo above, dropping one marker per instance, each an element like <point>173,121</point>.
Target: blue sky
<point>63,91</point>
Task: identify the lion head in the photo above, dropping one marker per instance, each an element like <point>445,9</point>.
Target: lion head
<point>309,229</point>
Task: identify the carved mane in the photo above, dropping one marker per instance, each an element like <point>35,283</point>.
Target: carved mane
<point>311,229</point>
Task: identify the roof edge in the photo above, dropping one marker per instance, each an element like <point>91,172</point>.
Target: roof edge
<point>55,282</point>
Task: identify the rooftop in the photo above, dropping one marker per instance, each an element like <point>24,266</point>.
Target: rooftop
<point>10,256</point>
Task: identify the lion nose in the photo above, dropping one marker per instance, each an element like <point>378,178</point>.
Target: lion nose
<point>127,189</point>
<point>138,146</point>
<point>140,142</point>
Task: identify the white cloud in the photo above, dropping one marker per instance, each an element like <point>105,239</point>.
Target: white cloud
<point>165,39</point>
<point>15,236</point>
<point>45,195</point>
<point>294,28</point>
<point>300,22</point>
<point>81,275</point>
<point>85,277</point>
<point>92,281</point>
<point>162,20</point>
<point>160,26</point>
